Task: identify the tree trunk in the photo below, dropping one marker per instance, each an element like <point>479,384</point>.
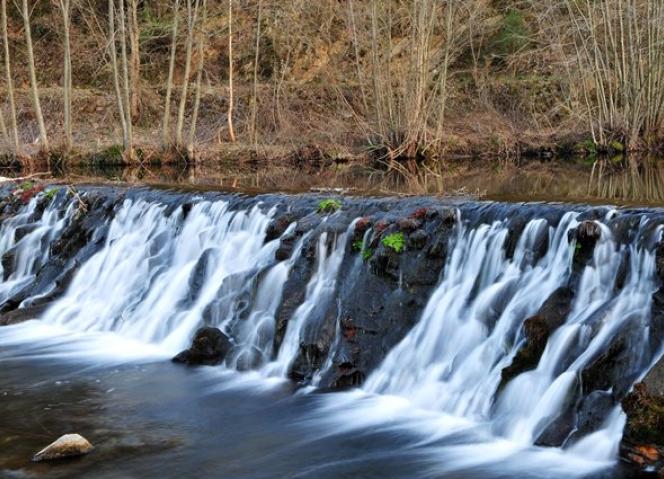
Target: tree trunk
<point>254,96</point>
<point>199,78</point>
<point>231,130</point>
<point>33,77</point>
<point>65,7</point>
<point>129,148</point>
<point>191,23</point>
<point>10,80</point>
<point>165,129</point>
<point>135,61</point>
<point>116,75</point>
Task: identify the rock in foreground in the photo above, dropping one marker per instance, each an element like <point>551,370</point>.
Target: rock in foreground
<point>69,445</point>
<point>209,347</point>
<point>643,440</point>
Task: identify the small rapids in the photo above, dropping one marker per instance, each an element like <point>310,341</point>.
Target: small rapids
<point>156,271</point>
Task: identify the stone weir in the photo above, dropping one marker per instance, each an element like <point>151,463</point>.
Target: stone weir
<point>539,318</point>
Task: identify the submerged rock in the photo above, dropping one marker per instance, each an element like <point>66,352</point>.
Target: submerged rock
<point>209,347</point>
<point>69,445</point>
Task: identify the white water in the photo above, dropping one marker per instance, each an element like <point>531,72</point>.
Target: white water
<point>156,274</point>
<point>32,250</point>
<point>319,292</point>
<point>160,276</point>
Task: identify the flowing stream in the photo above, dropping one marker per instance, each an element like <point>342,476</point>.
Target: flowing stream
<point>162,271</point>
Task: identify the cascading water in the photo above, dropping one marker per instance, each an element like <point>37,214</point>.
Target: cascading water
<point>157,273</point>
<point>162,271</point>
<point>31,250</point>
<point>319,292</point>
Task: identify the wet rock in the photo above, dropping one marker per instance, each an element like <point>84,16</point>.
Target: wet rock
<point>409,224</point>
<point>67,446</point>
<point>286,246</point>
<point>418,239</point>
<point>22,231</point>
<point>278,226</point>
<point>586,235</point>
<point>642,446</point>
<point>659,260</point>
<point>536,331</point>
<point>23,314</point>
<point>209,347</point>
<point>8,263</point>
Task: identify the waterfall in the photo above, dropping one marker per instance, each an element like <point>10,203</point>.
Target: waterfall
<point>162,269</point>
<point>31,251</point>
<point>319,292</point>
<point>157,273</point>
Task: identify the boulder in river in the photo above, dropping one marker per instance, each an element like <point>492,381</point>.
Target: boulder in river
<point>209,347</point>
<point>69,445</point>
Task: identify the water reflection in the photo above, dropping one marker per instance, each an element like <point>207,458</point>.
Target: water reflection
<point>628,180</point>
<point>616,180</point>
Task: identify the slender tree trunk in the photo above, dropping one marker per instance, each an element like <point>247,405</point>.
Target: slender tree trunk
<point>33,77</point>
<point>202,35</point>
<point>191,23</point>
<point>3,129</point>
<point>116,75</point>
<point>254,95</point>
<point>231,130</point>
<point>165,129</point>
<point>10,80</point>
<point>65,7</point>
<point>135,60</point>
<point>129,150</point>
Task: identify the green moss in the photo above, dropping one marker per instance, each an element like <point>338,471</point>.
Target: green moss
<point>367,254</point>
<point>358,245</point>
<point>395,241</point>
<point>50,194</point>
<point>329,205</point>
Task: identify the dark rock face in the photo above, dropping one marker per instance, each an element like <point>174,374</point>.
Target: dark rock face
<point>209,347</point>
<point>537,330</point>
<point>643,437</point>
<point>659,260</point>
<point>23,314</point>
<point>587,234</point>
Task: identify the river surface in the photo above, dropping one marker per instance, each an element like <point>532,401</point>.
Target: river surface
<point>152,419</point>
<point>98,362</point>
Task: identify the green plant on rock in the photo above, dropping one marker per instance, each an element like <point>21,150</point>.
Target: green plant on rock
<point>50,194</point>
<point>329,205</point>
<point>358,245</point>
<point>367,254</point>
<point>396,241</point>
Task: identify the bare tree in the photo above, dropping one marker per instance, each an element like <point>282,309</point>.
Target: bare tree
<point>231,100</point>
<point>25,12</point>
<point>254,94</point>
<point>618,46</point>
<point>165,129</point>
<point>9,78</point>
<point>65,9</point>
<point>192,14</point>
<point>135,60</point>
<point>121,88</point>
<point>202,35</point>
